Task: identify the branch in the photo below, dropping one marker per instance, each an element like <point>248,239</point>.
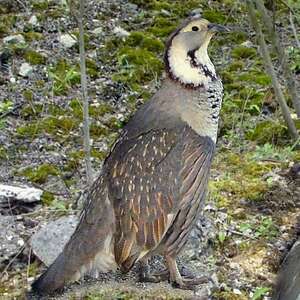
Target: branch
<point>270,70</point>
<point>85,100</point>
<point>288,74</point>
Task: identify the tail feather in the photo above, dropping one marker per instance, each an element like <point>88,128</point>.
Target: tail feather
<point>90,248</point>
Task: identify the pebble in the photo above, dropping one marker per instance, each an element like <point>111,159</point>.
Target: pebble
<point>14,39</point>
<point>25,70</point>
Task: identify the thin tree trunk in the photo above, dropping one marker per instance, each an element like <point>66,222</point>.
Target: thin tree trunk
<point>270,70</point>
<point>288,74</point>
<point>85,100</point>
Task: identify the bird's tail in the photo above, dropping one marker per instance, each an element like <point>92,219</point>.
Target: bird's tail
<point>90,249</point>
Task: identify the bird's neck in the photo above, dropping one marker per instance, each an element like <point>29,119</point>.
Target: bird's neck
<point>191,68</point>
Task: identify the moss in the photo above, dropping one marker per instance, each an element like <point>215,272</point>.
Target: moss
<point>55,126</point>
<point>32,36</point>
<point>28,95</point>
<point>228,295</point>
<point>98,130</point>
<point>40,174</point>
<point>162,27</point>
<point>3,153</point>
<point>137,65</point>
<point>7,22</point>
<point>47,198</point>
<point>40,5</point>
<point>236,65</point>
<point>243,52</point>
<point>30,111</point>
<point>214,16</point>
<point>140,39</point>
<point>34,57</point>
<point>269,131</point>
<point>92,68</point>
<point>255,76</point>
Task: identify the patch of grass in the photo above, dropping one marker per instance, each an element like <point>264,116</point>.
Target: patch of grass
<point>243,52</point>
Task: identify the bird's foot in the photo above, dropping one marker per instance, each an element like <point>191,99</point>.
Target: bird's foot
<point>155,277</point>
<point>188,283</point>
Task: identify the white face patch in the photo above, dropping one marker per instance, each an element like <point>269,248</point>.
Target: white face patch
<point>182,68</point>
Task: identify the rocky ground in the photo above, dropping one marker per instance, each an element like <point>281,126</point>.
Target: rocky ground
<point>254,200</point>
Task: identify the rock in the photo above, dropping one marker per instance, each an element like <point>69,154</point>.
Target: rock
<point>67,40</point>
<point>120,32</point>
<point>49,241</point>
<point>14,39</point>
<point>24,193</point>
<point>25,70</point>
<point>247,44</point>
<point>33,21</point>
<point>11,242</point>
<point>97,31</point>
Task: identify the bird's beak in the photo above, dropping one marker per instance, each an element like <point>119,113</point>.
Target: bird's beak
<point>217,28</point>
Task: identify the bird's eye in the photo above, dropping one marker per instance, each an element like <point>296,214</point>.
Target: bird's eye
<point>195,28</point>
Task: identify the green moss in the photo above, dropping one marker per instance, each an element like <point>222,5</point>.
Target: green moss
<point>269,131</point>
<point>98,130</point>
<point>40,174</point>
<point>34,57</point>
<point>162,27</point>
<point>243,52</point>
<point>32,36</point>
<point>55,126</point>
<point>255,76</point>
<point>3,153</point>
<point>7,22</point>
<point>137,65</point>
<point>236,65</point>
<point>47,198</point>
<point>140,39</point>
<point>92,68</point>
<point>39,5</point>
<point>214,16</point>
<point>31,111</point>
<point>28,95</point>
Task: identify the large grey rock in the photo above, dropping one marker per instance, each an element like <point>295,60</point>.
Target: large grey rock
<point>50,240</point>
<point>10,240</point>
<point>19,193</point>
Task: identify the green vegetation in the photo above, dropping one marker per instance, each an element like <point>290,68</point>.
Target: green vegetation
<point>34,57</point>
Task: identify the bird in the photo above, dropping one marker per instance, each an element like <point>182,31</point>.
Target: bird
<point>153,183</point>
<point>288,281</point>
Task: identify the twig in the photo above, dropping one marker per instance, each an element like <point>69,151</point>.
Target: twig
<point>288,74</point>
<point>12,260</point>
<point>242,234</point>
<point>270,70</point>
<point>294,30</point>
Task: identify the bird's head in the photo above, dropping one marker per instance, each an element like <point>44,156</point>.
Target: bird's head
<point>186,56</point>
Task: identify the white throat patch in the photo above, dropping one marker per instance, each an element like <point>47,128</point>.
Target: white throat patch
<point>183,68</point>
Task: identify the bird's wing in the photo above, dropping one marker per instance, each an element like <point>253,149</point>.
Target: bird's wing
<point>148,175</point>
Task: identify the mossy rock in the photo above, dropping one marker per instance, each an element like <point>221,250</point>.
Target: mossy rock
<point>40,174</point>
<point>34,58</point>
<point>243,52</point>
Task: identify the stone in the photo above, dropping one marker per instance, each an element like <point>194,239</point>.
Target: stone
<point>14,39</point>
<point>25,70</point>
<point>247,44</point>
<point>67,40</point>
<point>50,240</point>
<point>120,32</point>
<point>17,193</point>
<point>97,31</point>
<point>33,21</point>
<point>11,242</point>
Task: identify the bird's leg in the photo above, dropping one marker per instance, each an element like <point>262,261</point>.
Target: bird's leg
<point>177,280</point>
<point>146,276</point>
